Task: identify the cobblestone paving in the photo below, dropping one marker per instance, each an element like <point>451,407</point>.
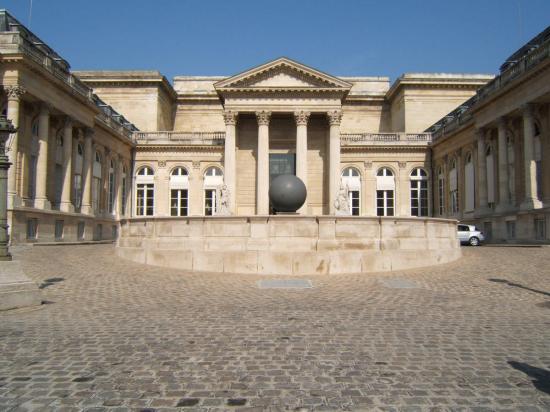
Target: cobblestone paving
<point>115,335</point>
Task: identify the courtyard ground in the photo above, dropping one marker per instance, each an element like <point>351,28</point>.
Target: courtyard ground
<point>112,334</point>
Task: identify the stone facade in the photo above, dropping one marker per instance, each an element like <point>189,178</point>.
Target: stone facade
<point>198,134</point>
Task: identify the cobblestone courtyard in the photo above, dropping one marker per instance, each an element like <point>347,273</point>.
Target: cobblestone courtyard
<point>471,335</point>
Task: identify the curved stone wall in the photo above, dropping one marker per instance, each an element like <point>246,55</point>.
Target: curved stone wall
<point>293,245</point>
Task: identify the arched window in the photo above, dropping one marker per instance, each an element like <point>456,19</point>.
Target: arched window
<point>538,160</point>
<point>352,179</point>
<point>419,192</point>
<point>124,191</point>
<point>179,192</point>
<point>469,185</point>
<point>441,190</point>
<point>453,187</point>
<point>385,192</point>
<point>510,161</point>
<point>78,164</point>
<point>145,192</point>
<point>213,179</point>
<point>58,167</point>
<point>111,199</point>
<point>96,182</point>
<point>490,163</point>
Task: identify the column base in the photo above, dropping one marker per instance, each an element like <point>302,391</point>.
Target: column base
<point>42,204</point>
<point>66,207</point>
<point>503,208</point>
<point>530,204</point>
<point>483,211</point>
<point>14,200</point>
<point>86,210</point>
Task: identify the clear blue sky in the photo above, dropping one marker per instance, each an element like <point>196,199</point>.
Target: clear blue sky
<point>347,38</point>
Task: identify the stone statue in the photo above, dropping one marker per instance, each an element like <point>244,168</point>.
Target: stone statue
<point>341,204</point>
<point>222,207</point>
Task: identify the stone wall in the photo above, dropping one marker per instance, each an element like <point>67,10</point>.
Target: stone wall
<point>298,245</point>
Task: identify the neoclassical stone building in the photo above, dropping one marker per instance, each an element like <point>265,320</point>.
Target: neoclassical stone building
<point>93,148</point>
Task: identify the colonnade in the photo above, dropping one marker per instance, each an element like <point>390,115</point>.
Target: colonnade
<point>263,118</point>
<point>44,158</point>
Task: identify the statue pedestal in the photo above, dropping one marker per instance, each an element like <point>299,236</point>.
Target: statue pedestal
<point>16,289</point>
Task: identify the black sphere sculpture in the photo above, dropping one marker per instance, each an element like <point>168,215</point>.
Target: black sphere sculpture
<point>287,193</point>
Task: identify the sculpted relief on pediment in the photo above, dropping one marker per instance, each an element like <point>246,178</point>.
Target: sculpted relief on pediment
<point>281,77</point>
<point>282,73</point>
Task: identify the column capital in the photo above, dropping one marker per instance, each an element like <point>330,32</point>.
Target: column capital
<point>230,117</point>
<point>263,117</point>
<point>480,135</point>
<point>45,108</point>
<point>15,91</point>
<point>502,121</point>
<point>528,109</point>
<point>68,122</point>
<point>88,133</point>
<point>301,117</point>
<point>334,117</point>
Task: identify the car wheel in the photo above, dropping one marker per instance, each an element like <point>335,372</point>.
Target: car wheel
<point>474,241</point>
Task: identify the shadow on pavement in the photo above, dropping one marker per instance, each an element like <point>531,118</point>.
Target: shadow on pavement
<point>518,285</point>
<point>541,377</point>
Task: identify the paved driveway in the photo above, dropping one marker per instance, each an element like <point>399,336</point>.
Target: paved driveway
<point>471,335</point>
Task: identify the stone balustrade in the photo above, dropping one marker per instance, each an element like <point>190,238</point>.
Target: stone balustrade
<point>292,245</point>
<point>354,139</point>
<point>187,138</point>
<point>18,40</point>
<point>462,114</point>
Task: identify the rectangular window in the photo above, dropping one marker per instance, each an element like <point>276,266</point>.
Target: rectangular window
<point>454,201</point>
<point>114,232</point>
<point>111,192</point>
<point>488,230</point>
<point>540,229</point>
<point>538,174</point>
<point>419,198</point>
<point>96,191</point>
<point>123,206</point>
<point>77,191</point>
<point>441,194</point>
<point>58,185</point>
<point>58,230</point>
<point>384,202</point>
<point>98,234</point>
<point>31,189</point>
<point>511,229</point>
<point>80,230</point>
<point>32,228</point>
<point>209,202</point>
<point>178,202</point>
<point>354,202</point>
<point>145,198</point>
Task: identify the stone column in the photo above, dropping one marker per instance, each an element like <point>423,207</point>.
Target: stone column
<point>66,205</point>
<point>302,119</point>
<point>87,173</point>
<point>481,171</point>
<point>14,100</point>
<point>334,118</point>
<point>262,178</point>
<point>118,187</point>
<point>229,162</point>
<point>530,200</point>
<point>503,193</point>
<point>41,201</point>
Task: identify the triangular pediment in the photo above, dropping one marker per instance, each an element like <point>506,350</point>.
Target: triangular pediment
<point>282,73</point>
